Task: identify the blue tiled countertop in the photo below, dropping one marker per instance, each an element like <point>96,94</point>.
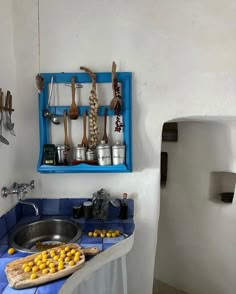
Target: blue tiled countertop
<point>57,208</point>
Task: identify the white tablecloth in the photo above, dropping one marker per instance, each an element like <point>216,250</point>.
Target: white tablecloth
<point>109,279</point>
<point>104,274</point>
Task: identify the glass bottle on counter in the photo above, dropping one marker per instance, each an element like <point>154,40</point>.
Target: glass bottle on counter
<point>124,207</point>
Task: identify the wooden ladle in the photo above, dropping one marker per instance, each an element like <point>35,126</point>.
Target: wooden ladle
<point>84,141</point>
<point>73,111</point>
<point>66,140</point>
<point>105,137</point>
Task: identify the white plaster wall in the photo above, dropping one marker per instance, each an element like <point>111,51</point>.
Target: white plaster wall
<point>8,153</point>
<point>182,54</point>
<point>197,235</point>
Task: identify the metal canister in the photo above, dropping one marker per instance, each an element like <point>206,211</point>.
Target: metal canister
<point>118,153</point>
<point>90,155</point>
<point>61,154</point>
<point>104,154</point>
<point>79,153</point>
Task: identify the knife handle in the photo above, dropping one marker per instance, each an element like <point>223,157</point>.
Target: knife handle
<point>7,101</point>
<point>10,104</point>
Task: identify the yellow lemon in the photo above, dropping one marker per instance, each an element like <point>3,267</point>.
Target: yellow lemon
<point>67,248</point>
<point>62,252</point>
<point>60,266</point>
<point>113,234</point>
<point>67,259</point>
<point>24,265</point>
<point>77,253</point>
<point>39,256</point>
<point>102,235</point>
<point>68,254</point>
<point>73,251</point>
<point>95,234</point>
<point>33,276</point>
<point>108,235</point>
<point>60,260</point>
<point>71,263</point>
<point>117,232</point>
<point>56,257</point>
<point>35,269</point>
<point>11,251</point>
<point>51,265</point>
<point>39,262</point>
<point>42,266</point>
<point>52,270</point>
<point>27,269</point>
<point>48,262</point>
<point>76,258</point>
<point>90,234</point>
<point>51,252</point>
<point>45,271</point>
<point>31,263</point>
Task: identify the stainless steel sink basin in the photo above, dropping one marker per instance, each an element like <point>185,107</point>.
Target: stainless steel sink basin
<point>50,231</point>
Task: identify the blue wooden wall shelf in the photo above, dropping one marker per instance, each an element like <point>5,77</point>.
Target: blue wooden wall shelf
<point>125,78</point>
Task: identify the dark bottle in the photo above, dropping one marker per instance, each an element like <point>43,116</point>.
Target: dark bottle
<point>124,207</point>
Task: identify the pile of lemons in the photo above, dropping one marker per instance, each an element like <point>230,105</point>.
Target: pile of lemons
<point>49,262</point>
<point>104,233</point>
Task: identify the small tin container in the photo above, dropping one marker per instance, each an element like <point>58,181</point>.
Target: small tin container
<point>88,209</point>
<point>104,154</point>
<point>118,153</point>
<point>61,154</point>
<point>90,155</point>
<point>49,154</point>
<point>79,153</point>
<point>77,211</point>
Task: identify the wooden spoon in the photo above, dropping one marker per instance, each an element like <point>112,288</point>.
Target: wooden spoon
<point>73,112</point>
<point>84,141</point>
<point>66,140</point>
<point>105,137</point>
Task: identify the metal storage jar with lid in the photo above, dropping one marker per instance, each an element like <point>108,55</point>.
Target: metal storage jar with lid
<point>79,153</point>
<point>104,153</point>
<point>118,153</point>
<point>61,154</point>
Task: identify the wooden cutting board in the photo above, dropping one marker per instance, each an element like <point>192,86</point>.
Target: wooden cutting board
<point>20,279</point>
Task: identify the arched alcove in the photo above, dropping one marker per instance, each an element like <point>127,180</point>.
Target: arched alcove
<point>196,249</point>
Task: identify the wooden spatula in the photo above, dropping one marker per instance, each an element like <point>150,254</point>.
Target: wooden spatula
<point>73,112</point>
<point>84,141</point>
<point>105,137</point>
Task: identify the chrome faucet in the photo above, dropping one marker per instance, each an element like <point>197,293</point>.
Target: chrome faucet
<point>20,190</point>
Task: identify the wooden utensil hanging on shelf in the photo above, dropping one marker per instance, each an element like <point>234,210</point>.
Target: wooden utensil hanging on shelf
<point>105,137</point>
<point>66,140</point>
<point>84,141</point>
<point>73,111</point>
<point>115,99</point>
